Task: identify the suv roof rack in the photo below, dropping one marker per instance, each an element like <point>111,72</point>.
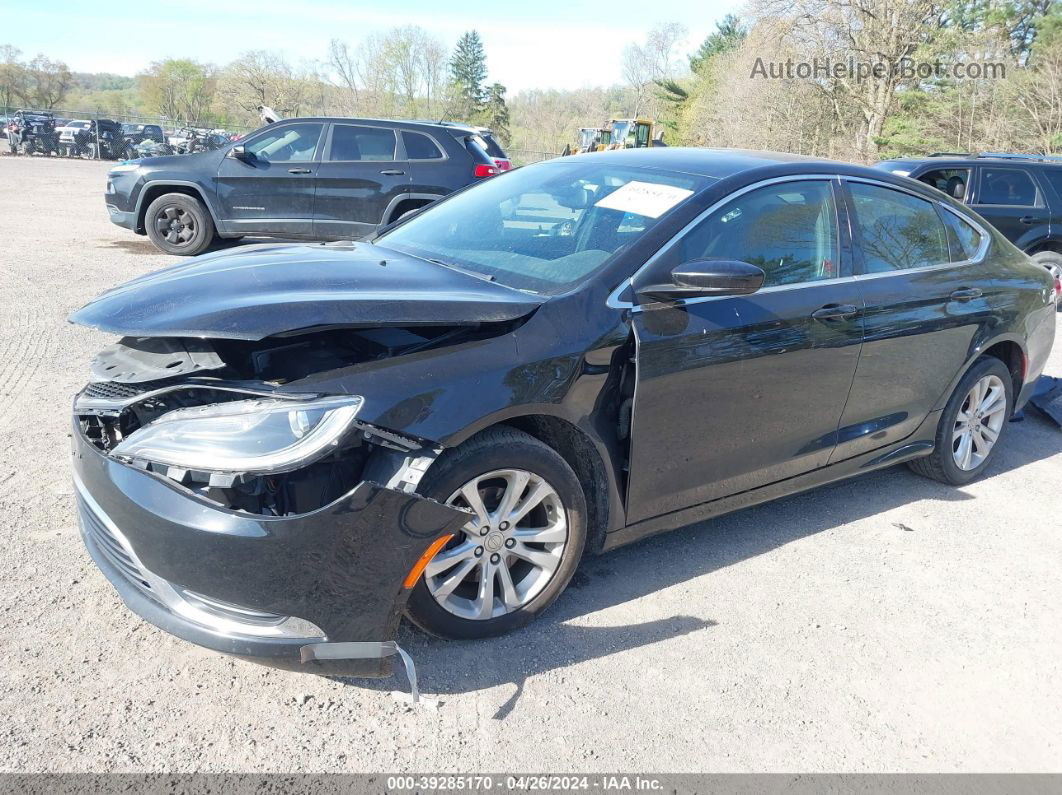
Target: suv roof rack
<point>1001,156</point>
<point>1017,156</point>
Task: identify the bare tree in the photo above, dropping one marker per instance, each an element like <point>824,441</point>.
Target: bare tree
<point>45,82</point>
<point>12,75</point>
<point>260,78</point>
<point>344,65</point>
<point>883,32</point>
<point>655,61</point>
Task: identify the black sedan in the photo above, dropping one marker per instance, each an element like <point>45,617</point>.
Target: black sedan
<point>291,446</point>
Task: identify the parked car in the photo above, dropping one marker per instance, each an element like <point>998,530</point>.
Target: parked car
<point>487,141</point>
<point>103,139</point>
<point>1020,195</point>
<point>290,446</point>
<point>68,136</point>
<point>316,178</point>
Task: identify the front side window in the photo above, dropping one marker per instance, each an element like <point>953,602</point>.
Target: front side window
<point>353,142</point>
<point>293,143</point>
<point>1007,186</point>
<point>898,231</point>
<point>547,227</point>
<point>789,230</point>
<point>952,181</point>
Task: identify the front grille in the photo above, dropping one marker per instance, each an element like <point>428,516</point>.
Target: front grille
<point>111,548</point>
<point>112,390</point>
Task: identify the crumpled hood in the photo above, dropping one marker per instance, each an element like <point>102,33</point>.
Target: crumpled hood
<point>257,291</point>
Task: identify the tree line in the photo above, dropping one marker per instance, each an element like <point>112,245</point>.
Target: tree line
<point>403,73</point>
<point>846,79</point>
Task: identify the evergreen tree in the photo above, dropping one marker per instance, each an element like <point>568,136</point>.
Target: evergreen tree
<point>729,33</point>
<point>496,112</point>
<point>468,70</point>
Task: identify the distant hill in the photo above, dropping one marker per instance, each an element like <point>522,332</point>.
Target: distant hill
<point>102,81</point>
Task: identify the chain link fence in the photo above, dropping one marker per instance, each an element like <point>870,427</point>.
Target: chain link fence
<point>525,157</point>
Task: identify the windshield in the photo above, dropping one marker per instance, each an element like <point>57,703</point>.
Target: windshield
<point>546,227</point>
<point>620,131</point>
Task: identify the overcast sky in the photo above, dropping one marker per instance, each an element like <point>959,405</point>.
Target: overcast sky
<point>531,44</point>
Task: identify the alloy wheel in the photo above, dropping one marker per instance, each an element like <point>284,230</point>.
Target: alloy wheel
<point>176,225</point>
<point>507,553</point>
<point>979,422</point>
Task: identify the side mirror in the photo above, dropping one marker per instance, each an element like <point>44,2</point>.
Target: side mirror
<point>240,153</point>
<point>706,277</point>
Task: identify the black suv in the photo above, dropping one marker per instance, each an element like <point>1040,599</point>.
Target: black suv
<point>1020,195</point>
<point>30,131</point>
<point>309,178</point>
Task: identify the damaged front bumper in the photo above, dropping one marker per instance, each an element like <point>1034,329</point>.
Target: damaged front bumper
<point>321,591</point>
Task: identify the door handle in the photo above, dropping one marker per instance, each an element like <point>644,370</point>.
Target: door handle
<point>1026,219</point>
<point>835,312</point>
<point>966,294</point>
<point>298,171</point>
<point>392,172</point>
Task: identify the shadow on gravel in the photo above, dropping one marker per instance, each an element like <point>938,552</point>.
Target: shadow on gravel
<point>672,558</point>
<point>141,245</point>
<point>138,245</point>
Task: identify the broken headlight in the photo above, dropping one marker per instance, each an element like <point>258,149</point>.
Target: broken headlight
<point>254,436</point>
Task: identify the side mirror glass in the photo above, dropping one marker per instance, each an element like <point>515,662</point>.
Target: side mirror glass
<point>240,153</point>
<point>707,277</point>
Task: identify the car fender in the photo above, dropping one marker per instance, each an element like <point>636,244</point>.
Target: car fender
<point>978,346</point>
<point>397,200</point>
<point>204,195</point>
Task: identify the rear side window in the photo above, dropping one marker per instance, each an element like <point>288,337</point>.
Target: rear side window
<point>1011,187</point>
<point>492,147</point>
<point>965,240</point>
<point>352,142</point>
<point>898,231</point>
<point>788,229</point>
<point>952,181</point>
<point>1054,177</point>
<point>420,147</point>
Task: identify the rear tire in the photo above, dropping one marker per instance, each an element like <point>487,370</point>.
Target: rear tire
<point>179,224</point>
<point>1047,258</point>
<point>525,575</point>
<point>973,421</point>
<point>1051,260</point>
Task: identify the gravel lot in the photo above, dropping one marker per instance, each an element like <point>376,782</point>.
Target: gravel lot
<point>884,624</point>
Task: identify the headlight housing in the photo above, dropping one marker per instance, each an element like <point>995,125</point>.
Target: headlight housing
<point>259,436</point>
<point>130,165</point>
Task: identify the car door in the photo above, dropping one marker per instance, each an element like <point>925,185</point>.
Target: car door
<point>921,285</point>
<point>362,175</point>
<point>734,392</point>
<point>271,189</point>
<point>436,169</point>
<point>1009,198</point>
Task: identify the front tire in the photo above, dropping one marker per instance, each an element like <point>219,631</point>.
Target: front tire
<point>516,556</point>
<point>179,224</point>
<point>972,425</point>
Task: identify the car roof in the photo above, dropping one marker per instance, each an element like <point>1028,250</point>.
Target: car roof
<point>965,161</point>
<point>723,163</point>
<point>411,123</point>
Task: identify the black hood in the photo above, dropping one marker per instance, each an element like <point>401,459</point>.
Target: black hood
<point>258,291</point>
